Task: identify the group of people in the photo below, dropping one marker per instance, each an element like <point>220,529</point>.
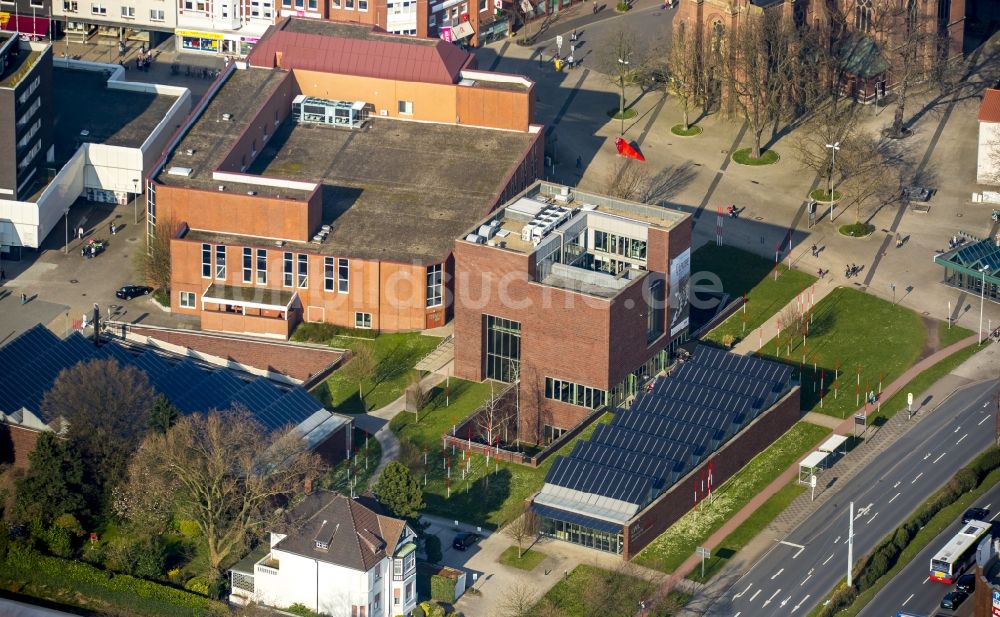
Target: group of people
<point>143,60</point>
<point>732,211</point>
<point>852,270</point>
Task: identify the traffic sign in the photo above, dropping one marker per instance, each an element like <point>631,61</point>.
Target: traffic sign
<point>860,419</point>
<point>703,552</point>
<point>559,40</point>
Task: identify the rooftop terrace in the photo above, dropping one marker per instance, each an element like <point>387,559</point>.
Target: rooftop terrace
<point>83,102</point>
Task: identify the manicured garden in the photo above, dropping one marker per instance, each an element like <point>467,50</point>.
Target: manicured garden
<point>484,492</point>
<point>618,592</point>
<point>394,358</point>
<point>677,543</point>
<point>853,338</point>
<point>745,273</point>
<point>357,472</point>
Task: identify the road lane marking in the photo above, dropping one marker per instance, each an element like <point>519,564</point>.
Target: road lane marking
<point>776,574</point>
<point>791,544</point>
<point>927,456</point>
<point>940,456</point>
<point>958,428</point>
<point>872,518</point>
<point>894,497</point>
<point>907,600</point>
<point>796,607</point>
<point>896,485</point>
<point>768,601</point>
<point>837,541</point>
<point>828,559</point>
<point>756,593</point>
<point>785,601</point>
<point>983,420</point>
<point>961,438</point>
<point>742,593</point>
<point>917,478</point>
<point>798,552</point>
<point>805,579</point>
<point>995,517</point>
<point>738,613</point>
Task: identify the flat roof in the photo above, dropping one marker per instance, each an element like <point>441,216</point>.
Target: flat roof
<point>398,191</point>
<point>84,102</point>
<point>347,30</point>
<point>212,137</point>
<point>20,67</point>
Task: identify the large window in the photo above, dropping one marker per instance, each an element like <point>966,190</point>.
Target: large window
<point>574,393</point>
<point>188,299</point>
<point>363,321</point>
<point>287,270</point>
<point>863,16</point>
<point>328,273</point>
<point>343,275</point>
<point>434,286</point>
<point>605,242</point>
<point>262,266</point>
<point>657,311</point>
<point>220,262</point>
<point>503,348</point>
<point>247,265</point>
<point>303,270</point>
<point>551,433</point>
<point>206,261</point>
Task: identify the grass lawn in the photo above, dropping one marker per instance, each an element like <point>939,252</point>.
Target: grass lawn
<point>586,585</point>
<point>358,470</point>
<point>925,536</point>
<point>743,272</point>
<point>858,337</point>
<point>485,494</point>
<point>529,559</point>
<point>735,541</point>
<point>680,131</point>
<point>616,113</point>
<point>767,157</point>
<point>677,543</point>
<point>822,195</point>
<point>396,354</point>
<point>948,336</point>
<point>857,230</point>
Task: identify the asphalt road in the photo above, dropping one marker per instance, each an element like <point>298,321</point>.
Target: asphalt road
<point>797,572</point>
<point>912,590</point>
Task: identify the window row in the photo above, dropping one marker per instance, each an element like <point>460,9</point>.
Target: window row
<point>362,5</point>
<point>574,393</point>
<point>619,245</point>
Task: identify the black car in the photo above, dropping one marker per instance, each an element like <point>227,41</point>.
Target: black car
<point>127,292</point>
<point>953,599</point>
<point>975,514</point>
<point>966,583</point>
<point>465,540</point>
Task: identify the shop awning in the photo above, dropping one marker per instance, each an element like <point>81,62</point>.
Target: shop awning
<point>461,31</point>
<point>249,297</point>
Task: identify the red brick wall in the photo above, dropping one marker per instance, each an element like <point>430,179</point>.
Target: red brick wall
<point>334,449</point>
<point>259,130</point>
<point>16,444</point>
<point>736,453</point>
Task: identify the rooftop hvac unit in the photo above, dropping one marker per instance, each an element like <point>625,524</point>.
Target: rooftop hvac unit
<point>475,238</point>
<point>279,243</point>
<point>189,151</point>
<point>526,232</point>
<point>487,231</point>
<point>227,117</point>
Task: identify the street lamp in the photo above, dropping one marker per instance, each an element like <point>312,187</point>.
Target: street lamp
<point>829,177</point>
<point>135,202</point>
<point>623,69</point>
<point>982,300</point>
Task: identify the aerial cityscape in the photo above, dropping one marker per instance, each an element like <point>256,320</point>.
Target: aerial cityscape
<point>500,308</point>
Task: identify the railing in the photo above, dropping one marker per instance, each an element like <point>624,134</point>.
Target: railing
<point>262,569</point>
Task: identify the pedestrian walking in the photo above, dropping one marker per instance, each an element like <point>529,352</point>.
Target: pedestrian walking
<point>579,165</point>
<point>572,37</point>
<point>595,7</point>
<point>79,232</point>
<point>814,250</point>
<point>3,275</point>
<point>24,298</point>
<point>111,228</point>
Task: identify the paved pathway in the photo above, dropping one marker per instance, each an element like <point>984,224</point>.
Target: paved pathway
<point>377,421</point>
<point>769,329</point>
<point>803,505</point>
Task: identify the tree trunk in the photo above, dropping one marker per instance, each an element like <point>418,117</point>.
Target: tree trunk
<point>755,151</point>
<point>897,118</point>
<point>687,123</point>
<point>519,552</point>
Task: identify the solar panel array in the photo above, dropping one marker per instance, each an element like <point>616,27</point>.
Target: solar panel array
<point>31,362</point>
<point>670,429</point>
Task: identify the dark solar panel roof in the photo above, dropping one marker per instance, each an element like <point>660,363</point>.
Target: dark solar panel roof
<point>579,519</point>
<point>33,360</point>
<point>671,428</point>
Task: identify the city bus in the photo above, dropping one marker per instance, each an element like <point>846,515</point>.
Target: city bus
<point>958,553</point>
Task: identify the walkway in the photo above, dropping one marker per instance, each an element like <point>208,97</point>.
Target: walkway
<point>802,506</point>
<point>377,421</point>
<point>769,329</point>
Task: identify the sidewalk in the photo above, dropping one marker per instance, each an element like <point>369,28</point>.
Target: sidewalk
<point>803,506</point>
<point>751,343</point>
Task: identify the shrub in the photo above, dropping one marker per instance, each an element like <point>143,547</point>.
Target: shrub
<point>842,598</point>
<point>622,6</point>
<point>418,611</point>
<point>442,590</point>
<point>301,610</point>
<point>323,333</point>
<point>58,541</point>
<point>198,584</point>
<point>188,529</point>
<point>432,546</point>
<point>426,607</point>
<point>69,523</point>
<point>437,611</point>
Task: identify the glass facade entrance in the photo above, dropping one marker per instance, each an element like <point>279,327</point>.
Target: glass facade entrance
<point>584,536</point>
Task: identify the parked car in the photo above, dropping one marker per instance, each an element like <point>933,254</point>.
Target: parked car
<point>966,583</point>
<point>975,514</point>
<point>465,540</point>
<point>953,599</point>
<point>127,292</point>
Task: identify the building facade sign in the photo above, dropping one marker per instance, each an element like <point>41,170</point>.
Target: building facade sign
<point>680,297</point>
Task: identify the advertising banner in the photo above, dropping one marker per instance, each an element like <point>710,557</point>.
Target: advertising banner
<point>680,292</point>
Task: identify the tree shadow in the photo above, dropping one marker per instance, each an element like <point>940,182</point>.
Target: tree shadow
<point>669,181</point>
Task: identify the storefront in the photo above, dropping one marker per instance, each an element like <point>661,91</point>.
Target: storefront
<point>193,40</point>
<point>28,26</point>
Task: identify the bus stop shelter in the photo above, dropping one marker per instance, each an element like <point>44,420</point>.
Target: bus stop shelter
<point>811,465</point>
<point>835,445</point>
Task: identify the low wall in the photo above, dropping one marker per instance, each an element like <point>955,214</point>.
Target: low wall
<point>733,456</point>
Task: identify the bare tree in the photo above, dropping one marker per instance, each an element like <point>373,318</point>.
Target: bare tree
<point>870,170</point>
<point>361,368</point>
<point>153,264</point>
<point>627,179</point>
<point>223,471</point>
<point>518,601</point>
<point>832,122</point>
<point>523,528</point>
<point>620,61</point>
<point>758,72</point>
<point>493,419</point>
<point>417,395</point>
<point>105,408</point>
<point>683,79</point>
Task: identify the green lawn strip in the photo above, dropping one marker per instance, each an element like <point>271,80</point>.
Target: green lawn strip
<point>767,157</point>
<point>927,534</point>
<point>486,495</point>
<point>357,472</point>
<point>442,412</point>
<point>949,336</point>
<point>79,584</point>
<point>529,559</point>
<point>676,544</point>
<point>765,299</point>
<point>572,595</point>
<point>922,382</point>
<point>858,331</point>
<point>747,531</point>
<point>396,355</point>
<point>738,270</point>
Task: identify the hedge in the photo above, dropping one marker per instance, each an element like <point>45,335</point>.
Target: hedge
<point>122,590</point>
<point>323,333</point>
<point>442,588</point>
<point>885,554</point>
